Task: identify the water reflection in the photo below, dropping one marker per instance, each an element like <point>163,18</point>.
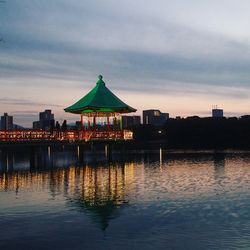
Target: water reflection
<point>101,191</point>
<point>173,191</point>
<point>97,182</point>
<point>98,189</point>
<point>7,161</point>
<point>219,166</point>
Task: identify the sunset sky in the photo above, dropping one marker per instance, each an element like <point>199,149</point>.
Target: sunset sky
<point>178,56</point>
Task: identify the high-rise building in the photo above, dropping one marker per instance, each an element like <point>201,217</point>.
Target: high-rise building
<point>154,117</point>
<point>6,122</point>
<point>46,120</point>
<point>130,120</point>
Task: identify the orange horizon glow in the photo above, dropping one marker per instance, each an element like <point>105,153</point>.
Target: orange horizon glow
<point>63,93</point>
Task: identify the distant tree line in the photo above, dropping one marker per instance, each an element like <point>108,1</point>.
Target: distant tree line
<point>57,126</point>
<point>199,133</point>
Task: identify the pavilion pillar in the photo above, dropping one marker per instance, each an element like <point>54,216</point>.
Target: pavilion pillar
<point>81,126</point>
<point>81,121</point>
<point>94,122</point>
<point>108,124</point>
<point>120,122</point>
<point>88,122</point>
<point>115,122</point>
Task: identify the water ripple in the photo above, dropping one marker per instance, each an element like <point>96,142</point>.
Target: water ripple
<point>185,201</point>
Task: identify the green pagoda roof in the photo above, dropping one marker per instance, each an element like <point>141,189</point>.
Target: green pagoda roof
<point>99,99</point>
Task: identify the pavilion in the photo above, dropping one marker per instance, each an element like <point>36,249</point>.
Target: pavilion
<point>100,104</point>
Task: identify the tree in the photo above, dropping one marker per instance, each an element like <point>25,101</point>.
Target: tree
<point>64,125</point>
<point>57,125</point>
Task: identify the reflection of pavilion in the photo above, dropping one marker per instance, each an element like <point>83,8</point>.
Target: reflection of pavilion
<point>101,193</point>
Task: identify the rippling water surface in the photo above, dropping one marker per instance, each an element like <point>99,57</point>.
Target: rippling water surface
<point>67,199</point>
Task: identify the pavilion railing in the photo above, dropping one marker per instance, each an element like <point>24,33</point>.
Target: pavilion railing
<point>71,135</point>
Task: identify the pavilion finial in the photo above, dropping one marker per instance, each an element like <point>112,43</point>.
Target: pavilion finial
<point>100,81</point>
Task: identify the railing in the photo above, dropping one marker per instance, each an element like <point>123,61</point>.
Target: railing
<point>85,135</point>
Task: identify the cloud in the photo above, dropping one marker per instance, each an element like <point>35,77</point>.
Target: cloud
<point>52,42</point>
<point>22,102</point>
<point>174,48</point>
<point>27,112</point>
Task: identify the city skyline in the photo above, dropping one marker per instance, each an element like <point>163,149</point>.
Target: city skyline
<point>46,117</point>
<point>179,57</point>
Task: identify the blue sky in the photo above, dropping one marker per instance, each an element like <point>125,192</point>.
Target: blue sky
<point>179,56</point>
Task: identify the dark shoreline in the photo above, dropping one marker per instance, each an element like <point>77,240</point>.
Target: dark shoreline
<point>192,133</point>
<point>126,146</point>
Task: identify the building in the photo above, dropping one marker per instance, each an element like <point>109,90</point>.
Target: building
<point>130,121</point>
<point>154,117</point>
<point>46,120</point>
<point>36,125</point>
<point>6,122</point>
<point>217,112</point>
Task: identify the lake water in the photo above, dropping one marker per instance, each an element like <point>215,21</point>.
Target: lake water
<point>71,199</point>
